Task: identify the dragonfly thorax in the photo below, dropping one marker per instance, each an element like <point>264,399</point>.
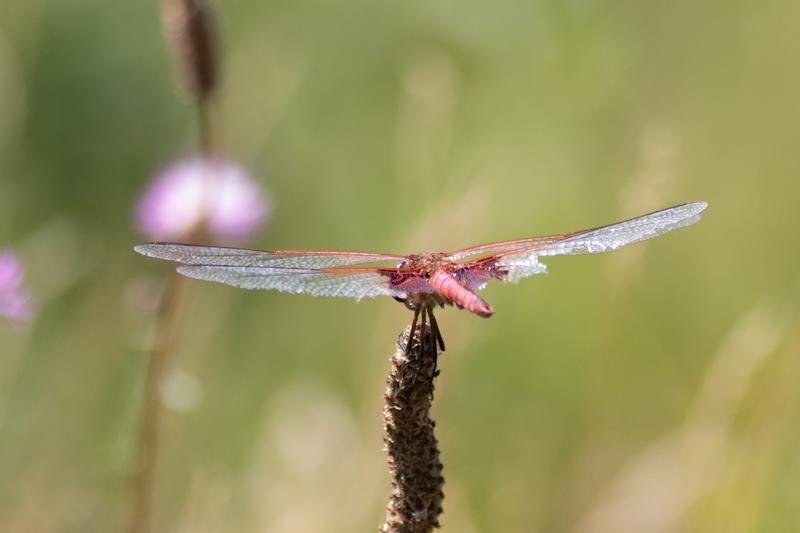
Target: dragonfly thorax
<point>427,264</point>
<point>413,274</point>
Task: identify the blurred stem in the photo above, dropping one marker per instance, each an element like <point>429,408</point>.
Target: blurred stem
<point>416,500</point>
<point>142,481</point>
<point>189,25</point>
<point>167,325</point>
<point>205,126</point>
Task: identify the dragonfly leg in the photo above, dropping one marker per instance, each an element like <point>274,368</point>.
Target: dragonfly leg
<point>413,329</point>
<point>437,339</point>
<point>423,320</point>
<point>436,332</point>
<point>422,330</point>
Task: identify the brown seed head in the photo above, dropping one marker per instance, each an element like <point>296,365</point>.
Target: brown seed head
<point>415,504</point>
<point>189,27</point>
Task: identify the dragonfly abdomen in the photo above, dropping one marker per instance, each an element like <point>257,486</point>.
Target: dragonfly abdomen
<point>446,285</point>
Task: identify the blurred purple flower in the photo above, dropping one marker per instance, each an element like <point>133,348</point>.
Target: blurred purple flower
<point>15,302</point>
<point>194,194</point>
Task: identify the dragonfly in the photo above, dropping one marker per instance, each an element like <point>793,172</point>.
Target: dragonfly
<point>424,281</point>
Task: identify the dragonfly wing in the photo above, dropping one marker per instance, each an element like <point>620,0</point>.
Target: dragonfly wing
<point>609,238</point>
<point>503,247</point>
<point>346,282</point>
<point>219,256</point>
<point>315,272</point>
<point>525,262</point>
<point>474,279</point>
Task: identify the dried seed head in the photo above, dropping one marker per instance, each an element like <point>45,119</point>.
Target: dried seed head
<point>416,500</point>
<point>189,26</point>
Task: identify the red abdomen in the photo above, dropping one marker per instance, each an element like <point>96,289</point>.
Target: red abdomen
<point>446,285</point>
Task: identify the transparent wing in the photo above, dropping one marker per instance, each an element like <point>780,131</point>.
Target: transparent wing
<point>609,238</point>
<point>544,241</point>
<point>525,262</point>
<point>214,255</point>
<point>315,272</point>
<point>347,282</point>
<point>504,246</point>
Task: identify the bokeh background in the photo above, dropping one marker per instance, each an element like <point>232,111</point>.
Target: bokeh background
<point>654,389</point>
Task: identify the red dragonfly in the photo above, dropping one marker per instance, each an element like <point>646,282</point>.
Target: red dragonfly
<point>421,281</point>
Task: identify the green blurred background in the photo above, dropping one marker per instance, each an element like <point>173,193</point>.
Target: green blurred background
<point>654,389</point>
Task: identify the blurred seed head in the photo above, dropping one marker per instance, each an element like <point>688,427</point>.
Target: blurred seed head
<point>215,197</point>
<point>189,27</point>
<point>15,301</point>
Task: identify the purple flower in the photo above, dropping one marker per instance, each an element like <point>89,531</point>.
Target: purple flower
<point>199,194</point>
<point>15,302</point>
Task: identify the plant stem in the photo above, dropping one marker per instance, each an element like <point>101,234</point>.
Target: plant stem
<point>416,500</point>
<point>142,481</point>
<point>189,26</point>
